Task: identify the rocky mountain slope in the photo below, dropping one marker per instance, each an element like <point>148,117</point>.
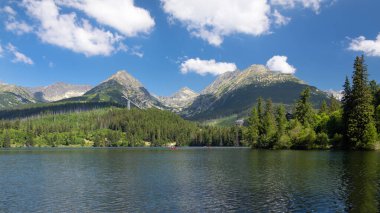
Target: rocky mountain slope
<point>236,92</point>
<point>58,91</point>
<point>179,100</point>
<point>12,96</point>
<point>120,88</point>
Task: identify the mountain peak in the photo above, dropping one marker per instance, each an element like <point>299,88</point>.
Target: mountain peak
<point>125,79</point>
<point>187,90</point>
<point>257,68</point>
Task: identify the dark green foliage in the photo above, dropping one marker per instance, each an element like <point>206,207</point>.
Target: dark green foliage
<point>53,108</point>
<point>6,140</point>
<point>242,100</point>
<point>267,137</point>
<point>360,131</point>
<point>113,127</point>
<point>334,104</point>
<point>304,112</point>
<point>323,108</point>
<point>253,128</point>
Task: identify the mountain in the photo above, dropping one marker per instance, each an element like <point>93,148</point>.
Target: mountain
<point>58,91</point>
<point>12,96</point>
<point>179,100</point>
<point>120,88</point>
<point>236,93</point>
<point>336,94</point>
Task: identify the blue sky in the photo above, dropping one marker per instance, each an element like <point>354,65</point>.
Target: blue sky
<point>169,44</point>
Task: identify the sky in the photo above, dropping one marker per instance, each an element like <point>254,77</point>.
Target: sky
<point>170,44</point>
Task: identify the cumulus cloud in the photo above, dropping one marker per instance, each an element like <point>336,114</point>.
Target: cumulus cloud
<point>312,4</point>
<point>203,67</point>
<point>121,15</point>
<point>279,19</point>
<point>369,47</point>
<point>69,31</point>
<point>9,10</point>
<point>11,24</point>
<point>18,56</point>
<point>90,27</point>
<point>212,20</point>
<point>279,64</point>
<point>18,27</point>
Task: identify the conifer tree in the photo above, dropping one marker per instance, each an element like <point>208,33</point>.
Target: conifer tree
<point>281,121</point>
<point>7,140</point>
<point>346,105</point>
<point>323,108</point>
<point>361,131</point>
<point>253,130</point>
<point>334,104</point>
<point>304,111</point>
<point>268,126</point>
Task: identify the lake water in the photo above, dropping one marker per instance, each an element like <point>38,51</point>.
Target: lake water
<point>188,180</point>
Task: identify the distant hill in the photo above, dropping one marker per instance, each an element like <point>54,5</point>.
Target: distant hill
<point>13,96</point>
<point>236,93</point>
<point>120,88</point>
<point>231,95</point>
<point>58,91</point>
<point>179,100</point>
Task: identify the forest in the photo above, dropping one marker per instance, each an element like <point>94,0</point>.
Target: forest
<point>111,127</point>
<point>352,123</point>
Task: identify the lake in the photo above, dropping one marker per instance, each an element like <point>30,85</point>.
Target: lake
<point>188,180</point>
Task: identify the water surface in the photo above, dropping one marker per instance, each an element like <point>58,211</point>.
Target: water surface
<point>188,180</point>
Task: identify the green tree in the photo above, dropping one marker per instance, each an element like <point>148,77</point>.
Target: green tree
<point>361,131</point>
<point>268,126</point>
<point>282,139</point>
<point>253,128</point>
<point>260,114</point>
<point>334,104</point>
<point>304,111</point>
<point>7,140</point>
<point>323,109</point>
<point>281,120</point>
<point>346,106</point>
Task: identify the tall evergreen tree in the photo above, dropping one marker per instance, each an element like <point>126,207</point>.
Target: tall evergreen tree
<point>253,130</point>
<point>323,108</point>
<point>346,105</point>
<point>281,121</point>
<point>260,113</point>
<point>269,126</point>
<point>304,111</point>
<point>361,131</point>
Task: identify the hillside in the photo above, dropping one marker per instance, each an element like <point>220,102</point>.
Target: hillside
<point>236,93</point>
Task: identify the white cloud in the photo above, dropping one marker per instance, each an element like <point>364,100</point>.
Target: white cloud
<point>18,27</point>
<point>18,56</point>
<point>279,19</point>
<point>56,22</point>
<point>1,51</point>
<point>204,67</point>
<point>312,4</point>
<point>369,47</point>
<point>279,64</point>
<point>121,15</point>
<point>212,20</point>
<point>9,10</point>
<point>136,51</point>
<point>68,31</point>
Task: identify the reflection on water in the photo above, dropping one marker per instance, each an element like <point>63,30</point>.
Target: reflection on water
<point>188,180</point>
